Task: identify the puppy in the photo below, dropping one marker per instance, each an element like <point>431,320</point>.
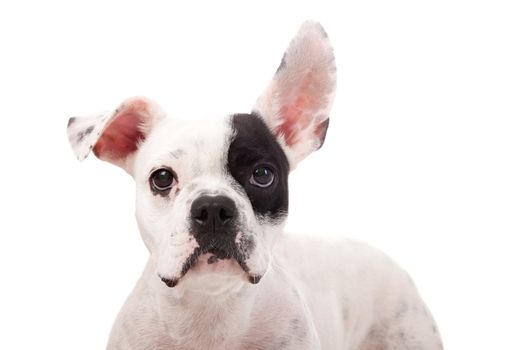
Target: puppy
<point>212,200</point>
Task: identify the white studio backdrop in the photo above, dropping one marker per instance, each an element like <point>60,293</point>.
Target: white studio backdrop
<point>424,158</point>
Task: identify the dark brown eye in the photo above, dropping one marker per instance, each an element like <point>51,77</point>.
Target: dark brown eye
<point>262,176</point>
<point>162,180</point>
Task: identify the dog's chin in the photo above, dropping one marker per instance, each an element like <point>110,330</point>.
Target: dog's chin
<point>213,271</point>
<point>211,275</point>
<point>209,265</point>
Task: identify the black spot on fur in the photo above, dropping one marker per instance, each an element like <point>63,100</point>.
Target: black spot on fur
<point>294,323</point>
<point>254,145</point>
<point>82,134</point>
<point>323,32</point>
<point>254,279</point>
<point>246,246</point>
<point>321,131</point>
<point>169,282</point>
<point>177,153</point>
<point>402,310</point>
<point>284,343</point>
<point>298,328</point>
<point>282,65</point>
<point>71,121</point>
<point>345,314</point>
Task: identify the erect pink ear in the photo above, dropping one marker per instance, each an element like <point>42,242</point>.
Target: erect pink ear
<point>114,137</point>
<point>297,103</point>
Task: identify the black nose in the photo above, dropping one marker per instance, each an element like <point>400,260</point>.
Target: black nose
<point>213,214</point>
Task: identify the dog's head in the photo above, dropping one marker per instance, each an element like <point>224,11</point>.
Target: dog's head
<point>212,196</point>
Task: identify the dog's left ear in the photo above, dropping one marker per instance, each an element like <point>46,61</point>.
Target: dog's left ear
<point>296,104</point>
<point>115,137</point>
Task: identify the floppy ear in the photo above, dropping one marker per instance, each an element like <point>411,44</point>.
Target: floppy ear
<point>114,137</point>
<point>296,104</point>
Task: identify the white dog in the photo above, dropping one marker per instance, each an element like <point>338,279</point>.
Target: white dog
<point>212,199</point>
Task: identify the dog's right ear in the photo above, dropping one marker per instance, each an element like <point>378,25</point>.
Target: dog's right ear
<point>115,137</point>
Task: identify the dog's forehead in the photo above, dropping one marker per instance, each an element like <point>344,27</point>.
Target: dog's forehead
<point>203,141</point>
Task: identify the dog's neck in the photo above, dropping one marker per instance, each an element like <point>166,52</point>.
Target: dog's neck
<point>193,316</point>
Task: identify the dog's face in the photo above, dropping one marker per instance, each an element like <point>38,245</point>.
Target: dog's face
<point>212,195</point>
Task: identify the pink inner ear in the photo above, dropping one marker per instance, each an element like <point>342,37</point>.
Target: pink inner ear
<point>291,115</point>
<point>299,103</point>
<point>121,137</point>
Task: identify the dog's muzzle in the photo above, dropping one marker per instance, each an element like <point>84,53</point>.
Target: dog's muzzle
<point>214,224</point>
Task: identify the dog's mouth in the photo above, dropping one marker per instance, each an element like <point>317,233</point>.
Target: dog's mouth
<point>213,255</point>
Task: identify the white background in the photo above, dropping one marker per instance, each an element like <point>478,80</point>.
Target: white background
<point>425,154</point>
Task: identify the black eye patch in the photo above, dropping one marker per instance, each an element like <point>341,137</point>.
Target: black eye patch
<point>252,147</point>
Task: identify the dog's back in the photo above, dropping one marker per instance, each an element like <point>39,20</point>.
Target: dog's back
<point>359,298</point>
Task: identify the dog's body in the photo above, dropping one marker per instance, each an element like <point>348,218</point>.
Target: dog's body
<point>212,199</point>
<point>317,294</point>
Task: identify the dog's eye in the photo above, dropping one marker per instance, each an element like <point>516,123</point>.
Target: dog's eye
<point>162,180</point>
<point>262,176</point>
